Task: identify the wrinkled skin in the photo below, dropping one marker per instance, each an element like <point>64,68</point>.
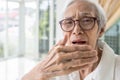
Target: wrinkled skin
<point>66,57</point>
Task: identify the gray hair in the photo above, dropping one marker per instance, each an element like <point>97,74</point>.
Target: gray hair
<point>101,15</point>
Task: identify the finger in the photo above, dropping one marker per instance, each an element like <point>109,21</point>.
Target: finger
<point>80,62</point>
<point>53,51</point>
<point>73,63</point>
<point>61,42</point>
<point>61,57</point>
<point>74,48</point>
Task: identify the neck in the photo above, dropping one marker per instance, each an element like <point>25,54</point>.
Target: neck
<point>92,67</point>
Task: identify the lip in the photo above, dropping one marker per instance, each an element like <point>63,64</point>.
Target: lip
<point>79,42</point>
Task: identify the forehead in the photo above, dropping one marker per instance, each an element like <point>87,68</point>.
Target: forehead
<point>79,9</point>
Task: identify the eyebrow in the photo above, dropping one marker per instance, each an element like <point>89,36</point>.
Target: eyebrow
<point>81,14</point>
<point>85,13</point>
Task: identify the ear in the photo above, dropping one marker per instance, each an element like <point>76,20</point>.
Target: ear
<point>102,30</point>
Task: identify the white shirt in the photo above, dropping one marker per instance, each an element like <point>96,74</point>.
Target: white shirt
<point>104,71</point>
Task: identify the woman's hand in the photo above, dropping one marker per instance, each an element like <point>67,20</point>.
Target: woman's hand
<point>63,60</point>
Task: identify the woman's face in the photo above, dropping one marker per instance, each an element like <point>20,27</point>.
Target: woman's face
<point>78,36</point>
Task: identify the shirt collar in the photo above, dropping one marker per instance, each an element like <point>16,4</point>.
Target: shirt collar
<point>105,68</point>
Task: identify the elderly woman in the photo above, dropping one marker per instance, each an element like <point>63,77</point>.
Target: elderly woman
<point>80,55</point>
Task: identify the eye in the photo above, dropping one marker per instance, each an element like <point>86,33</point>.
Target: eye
<point>67,22</point>
<point>87,21</point>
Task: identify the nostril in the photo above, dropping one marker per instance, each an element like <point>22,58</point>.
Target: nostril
<point>78,32</point>
<point>81,32</point>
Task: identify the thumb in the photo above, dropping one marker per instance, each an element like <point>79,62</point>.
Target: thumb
<point>63,41</point>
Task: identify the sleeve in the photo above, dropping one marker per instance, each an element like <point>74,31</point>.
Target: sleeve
<point>117,68</point>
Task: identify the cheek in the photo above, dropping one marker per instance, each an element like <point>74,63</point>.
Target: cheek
<point>93,36</point>
<point>92,39</point>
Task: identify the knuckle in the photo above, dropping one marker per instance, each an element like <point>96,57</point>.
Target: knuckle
<point>90,54</point>
<point>96,58</point>
<point>77,54</point>
<point>94,52</point>
<point>58,57</point>
<point>57,49</point>
<point>66,72</point>
<point>78,62</point>
<point>62,66</point>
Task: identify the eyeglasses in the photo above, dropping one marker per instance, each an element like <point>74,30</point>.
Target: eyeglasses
<point>85,23</point>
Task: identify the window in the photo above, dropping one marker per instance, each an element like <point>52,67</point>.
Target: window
<point>112,37</point>
<point>9,28</point>
<point>47,23</point>
<point>27,30</point>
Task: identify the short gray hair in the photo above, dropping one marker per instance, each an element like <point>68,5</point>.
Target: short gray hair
<point>101,15</point>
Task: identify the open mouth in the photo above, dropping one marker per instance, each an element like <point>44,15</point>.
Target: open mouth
<point>79,42</point>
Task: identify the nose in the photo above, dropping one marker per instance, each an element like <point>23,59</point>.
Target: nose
<point>77,29</point>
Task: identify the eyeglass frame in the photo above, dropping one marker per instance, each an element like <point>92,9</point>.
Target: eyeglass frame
<point>94,18</point>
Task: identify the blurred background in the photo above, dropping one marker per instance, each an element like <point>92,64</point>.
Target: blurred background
<point>29,28</point>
